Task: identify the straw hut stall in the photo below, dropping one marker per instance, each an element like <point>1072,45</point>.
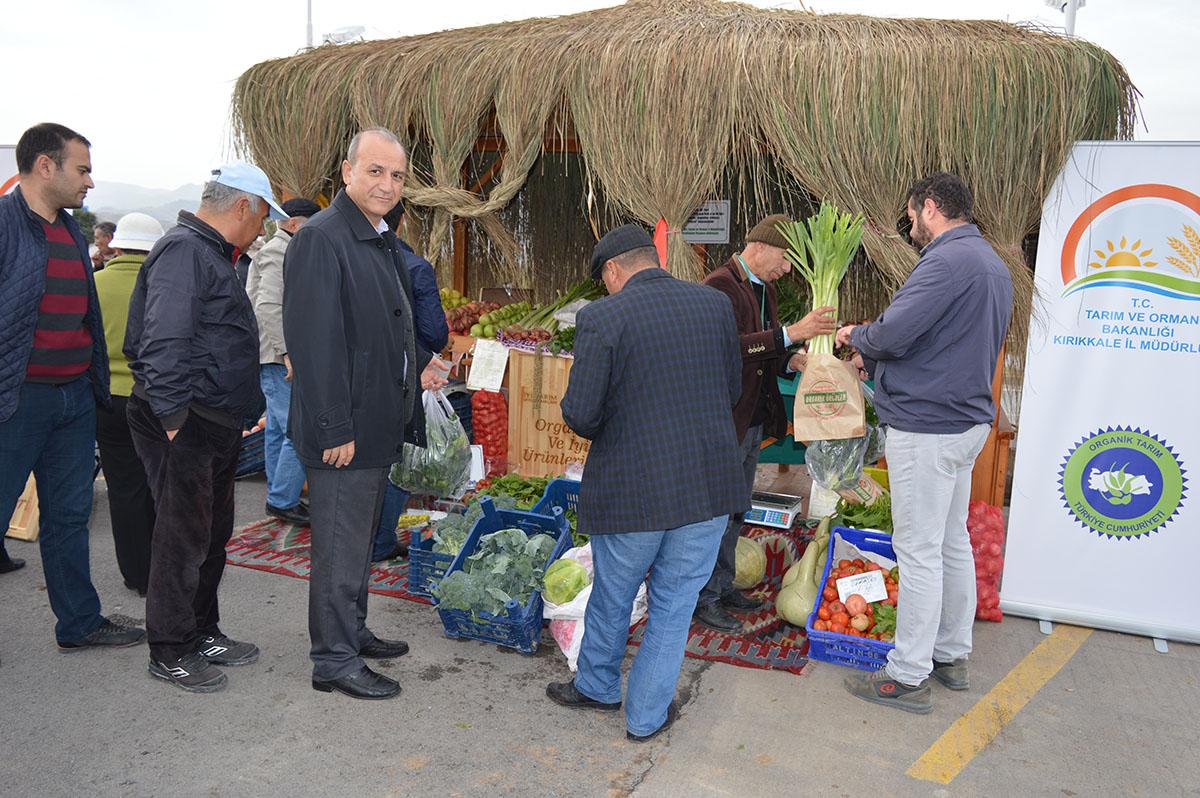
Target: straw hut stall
<point>529,138</point>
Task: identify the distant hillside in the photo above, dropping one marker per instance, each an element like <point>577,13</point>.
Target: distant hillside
<point>111,201</point>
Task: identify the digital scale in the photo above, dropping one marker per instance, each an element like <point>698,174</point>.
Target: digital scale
<point>773,509</point>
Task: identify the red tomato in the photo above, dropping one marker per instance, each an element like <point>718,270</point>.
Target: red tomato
<point>837,628</point>
<point>829,594</point>
<point>841,618</point>
<point>843,564</point>
<point>823,613</point>
<point>836,606</point>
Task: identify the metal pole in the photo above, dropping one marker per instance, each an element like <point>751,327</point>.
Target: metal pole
<point>1072,7</point>
<point>309,36</point>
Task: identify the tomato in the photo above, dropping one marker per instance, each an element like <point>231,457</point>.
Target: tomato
<point>839,618</point>
<point>852,632</point>
<point>870,613</point>
<point>831,582</point>
<point>837,628</point>
<point>874,566</point>
<point>891,602</point>
<point>821,626</point>
<point>859,563</point>
<point>823,613</point>
<point>829,594</point>
<point>836,606</point>
<point>856,604</point>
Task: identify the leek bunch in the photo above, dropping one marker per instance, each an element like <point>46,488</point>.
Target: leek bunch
<point>820,250</point>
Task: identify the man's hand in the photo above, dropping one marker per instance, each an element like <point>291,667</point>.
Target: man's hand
<point>798,361</point>
<point>434,375</point>
<point>339,456</point>
<point>171,433</point>
<point>287,363</point>
<point>821,321</point>
<point>857,362</point>
<point>843,335</point>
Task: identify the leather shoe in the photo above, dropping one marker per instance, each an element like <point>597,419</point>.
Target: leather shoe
<point>10,564</point>
<point>714,616</point>
<point>383,649</point>
<point>398,552</point>
<point>297,515</point>
<point>672,714</point>
<point>366,684</point>
<point>739,602</point>
<point>565,694</point>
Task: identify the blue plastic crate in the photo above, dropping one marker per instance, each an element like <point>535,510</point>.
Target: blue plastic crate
<point>425,566</point>
<point>855,652</point>
<point>521,626</point>
<point>560,492</point>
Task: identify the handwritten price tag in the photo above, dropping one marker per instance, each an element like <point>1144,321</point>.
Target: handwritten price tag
<point>487,368</point>
<point>869,585</point>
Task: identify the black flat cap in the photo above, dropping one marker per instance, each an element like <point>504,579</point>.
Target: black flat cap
<point>617,242</point>
<point>301,207</point>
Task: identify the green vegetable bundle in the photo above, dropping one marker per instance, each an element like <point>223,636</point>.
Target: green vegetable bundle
<point>443,467</point>
<point>507,567</point>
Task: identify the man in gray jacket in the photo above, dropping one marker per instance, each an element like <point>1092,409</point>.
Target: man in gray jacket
<point>933,353</point>
<point>264,286</point>
<point>348,319</point>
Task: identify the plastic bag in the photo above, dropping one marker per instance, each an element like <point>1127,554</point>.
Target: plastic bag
<point>837,465</point>
<point>443,467</point>
<point>985,525</point>
<point>566,620</point>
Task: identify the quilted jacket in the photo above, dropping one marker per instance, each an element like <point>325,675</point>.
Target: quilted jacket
<point>22,283</point>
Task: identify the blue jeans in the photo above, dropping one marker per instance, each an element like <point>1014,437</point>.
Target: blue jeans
<point>53,434</point>
<point>680,561</point>
<point>394,500</point>
<point>285,475</point>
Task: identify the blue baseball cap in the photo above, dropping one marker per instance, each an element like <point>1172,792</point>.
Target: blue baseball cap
<point>249,178</point>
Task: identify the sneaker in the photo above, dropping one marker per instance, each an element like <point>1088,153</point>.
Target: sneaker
<point>879,688</point>
<point>714,616</point>
<point>953,675</point>
<point>220,650</point>
<point>109,634</point>
<point>190,672</point>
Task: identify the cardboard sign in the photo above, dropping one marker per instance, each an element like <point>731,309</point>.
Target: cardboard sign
<point>540,444</point>
<point>869,585</point>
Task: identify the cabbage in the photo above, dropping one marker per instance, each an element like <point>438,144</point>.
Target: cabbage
<point>563,581</point>
<point>750,563</point>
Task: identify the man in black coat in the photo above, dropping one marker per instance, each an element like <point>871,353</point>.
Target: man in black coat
<point>656,374</point>
<point>348,321</point>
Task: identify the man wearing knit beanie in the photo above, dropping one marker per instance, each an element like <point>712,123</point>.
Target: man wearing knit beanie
<point>748,280</point>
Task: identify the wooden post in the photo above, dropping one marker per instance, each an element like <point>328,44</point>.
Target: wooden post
<point>989,478</point>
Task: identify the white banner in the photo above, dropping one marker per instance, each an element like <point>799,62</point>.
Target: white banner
<point>8,168</point>
<point>1104,527</point>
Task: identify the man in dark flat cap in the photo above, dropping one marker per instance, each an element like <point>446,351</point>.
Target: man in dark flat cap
<point>663,472</point>
<point>747,279</point>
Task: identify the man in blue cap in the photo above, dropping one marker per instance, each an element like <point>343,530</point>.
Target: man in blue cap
<point>192,342</point>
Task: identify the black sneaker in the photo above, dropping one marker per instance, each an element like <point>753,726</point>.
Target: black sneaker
<point>220,650</point>
<point>953,675</point>
<point>109,634</point>
<point>190,672</point>
<point>879,688</point>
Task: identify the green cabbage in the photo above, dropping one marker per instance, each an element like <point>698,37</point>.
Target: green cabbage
<point>563,581</point>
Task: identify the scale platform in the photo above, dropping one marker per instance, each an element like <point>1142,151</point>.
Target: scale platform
<point>773,509</point>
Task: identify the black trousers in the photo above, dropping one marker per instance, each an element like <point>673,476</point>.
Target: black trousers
<point>720,584</point>
<point>191,479</point>
<point>130,504</point>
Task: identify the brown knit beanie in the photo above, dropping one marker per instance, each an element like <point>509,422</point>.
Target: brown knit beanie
<point>765,233</point>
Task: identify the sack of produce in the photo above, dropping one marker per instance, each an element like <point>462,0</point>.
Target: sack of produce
<point>985,525</point>
<point>443,467</point>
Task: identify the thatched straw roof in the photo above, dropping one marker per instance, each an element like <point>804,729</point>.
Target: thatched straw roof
<point>668,98</point>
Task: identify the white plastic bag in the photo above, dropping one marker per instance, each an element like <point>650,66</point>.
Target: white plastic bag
<point>566,620</point>
<point>443,467</point>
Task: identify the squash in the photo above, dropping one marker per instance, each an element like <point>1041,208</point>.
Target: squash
<point>750,563</point>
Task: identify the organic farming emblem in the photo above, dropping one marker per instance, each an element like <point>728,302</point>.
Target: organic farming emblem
<point>825,398</point>
<point>1162,257</point>
<point>1122,482</point>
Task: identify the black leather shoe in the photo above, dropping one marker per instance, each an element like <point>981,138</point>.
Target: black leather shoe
<point>384,649</point>
<point>366,684</point>
<point>740,602</point>
<point>399,552</point>
<point>565,694</point>
<point>297,515</point>
<point>10,564</point>
<point>672,713</point>
<point>714,616</point>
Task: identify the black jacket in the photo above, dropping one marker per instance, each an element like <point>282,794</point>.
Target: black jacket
<point>657,371</point>
<point>192,339</point>
<point>347,333</point>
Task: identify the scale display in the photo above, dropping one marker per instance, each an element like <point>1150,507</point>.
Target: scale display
<point>773,509</point>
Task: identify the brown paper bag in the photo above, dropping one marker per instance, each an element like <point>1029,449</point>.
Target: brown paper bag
<point>829,401</point>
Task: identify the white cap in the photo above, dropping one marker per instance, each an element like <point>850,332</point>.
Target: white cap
<point>136,231</point>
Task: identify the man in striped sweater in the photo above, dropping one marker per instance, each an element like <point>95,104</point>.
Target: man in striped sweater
<point>53,371</point>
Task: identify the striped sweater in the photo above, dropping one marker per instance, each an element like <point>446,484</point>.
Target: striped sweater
<point>62,343</point>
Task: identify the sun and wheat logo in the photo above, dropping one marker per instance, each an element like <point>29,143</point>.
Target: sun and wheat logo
<point>1144,237</point>
<point>1122,482</point>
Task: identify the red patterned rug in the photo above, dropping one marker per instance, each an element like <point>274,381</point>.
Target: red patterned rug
<point>767,642</point>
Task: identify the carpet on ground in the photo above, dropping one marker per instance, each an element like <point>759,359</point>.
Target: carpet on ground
<point>766,641</point>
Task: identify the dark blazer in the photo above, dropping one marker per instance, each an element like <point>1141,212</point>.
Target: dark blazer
<point>657,369</point>
<point>348,337</point>
<point>22,283</point>
<point>763,355</point>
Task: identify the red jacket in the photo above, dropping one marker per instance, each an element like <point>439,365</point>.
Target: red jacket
<point>763,354</point>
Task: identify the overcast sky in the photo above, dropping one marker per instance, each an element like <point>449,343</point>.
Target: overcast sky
<point>149,81</point>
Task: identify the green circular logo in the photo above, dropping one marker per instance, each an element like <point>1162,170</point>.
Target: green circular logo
<point>1122,483</point>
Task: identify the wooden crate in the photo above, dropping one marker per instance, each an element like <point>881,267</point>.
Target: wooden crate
<point>24,523</point>
<point>539,442</point>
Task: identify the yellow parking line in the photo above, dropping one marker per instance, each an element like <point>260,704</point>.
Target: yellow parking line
<point>971,733</point>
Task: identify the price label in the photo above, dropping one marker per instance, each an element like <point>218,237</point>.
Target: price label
<point>869,585</point>
<point>488,365</point>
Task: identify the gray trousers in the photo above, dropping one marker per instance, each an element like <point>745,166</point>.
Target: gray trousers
<point>344,504</point>
<point>721,582</point>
